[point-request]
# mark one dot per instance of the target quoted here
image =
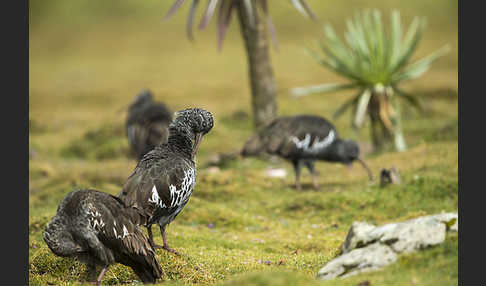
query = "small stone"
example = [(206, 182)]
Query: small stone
[(390, 176), (213, 170), (276, 173)]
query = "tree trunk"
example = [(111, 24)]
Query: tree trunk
[(262, 81), (382, 137), (374, 113)]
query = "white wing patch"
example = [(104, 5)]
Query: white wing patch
[(123, 235), (155, 199), (96, 223), (95, 220), (181, 195), (177, 196), (316, 146)]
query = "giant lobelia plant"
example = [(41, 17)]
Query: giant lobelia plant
[(375, 62), (251, 15)]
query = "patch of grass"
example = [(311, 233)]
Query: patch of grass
[(106, 142), (271, 278), (35, 127), (449, 132)]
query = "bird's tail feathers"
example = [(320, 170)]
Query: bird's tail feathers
[(252, 147), (144, 263)]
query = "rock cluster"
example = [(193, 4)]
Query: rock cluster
[(369, 247)]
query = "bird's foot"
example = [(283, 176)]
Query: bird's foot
[(166, 247), (156, 246)]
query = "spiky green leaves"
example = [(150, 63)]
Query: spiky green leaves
[(225, 10), (375, 60), (372, 55)]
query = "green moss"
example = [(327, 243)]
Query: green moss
[(275, 278), (106, 142)]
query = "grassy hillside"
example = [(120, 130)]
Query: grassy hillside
[(89, 59)]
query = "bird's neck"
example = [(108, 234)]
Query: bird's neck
[(181, 141), (329, 153)]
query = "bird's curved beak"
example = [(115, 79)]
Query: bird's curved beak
[(370, 174), (197, 141)]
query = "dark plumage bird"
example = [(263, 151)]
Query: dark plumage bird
[(302, 140), (100, 230), (147, 124), (163, 180)]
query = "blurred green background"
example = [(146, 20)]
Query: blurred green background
[(84, 52)]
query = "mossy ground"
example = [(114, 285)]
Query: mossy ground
[(87, 61)]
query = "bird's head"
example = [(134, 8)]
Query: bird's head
[(347, 151), (142, 98), (193, 123)]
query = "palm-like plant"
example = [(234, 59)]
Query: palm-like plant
[(374, 62), (252, 28)]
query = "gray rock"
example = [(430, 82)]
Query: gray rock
[(368, 247), (371, 257), (451, 220), (410, 235), (357, 236), (404, 236)]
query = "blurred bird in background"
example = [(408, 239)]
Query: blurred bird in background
[(147, 123), (302, 140)]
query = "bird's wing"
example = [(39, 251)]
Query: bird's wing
[(161, 188), (317, 127), (309, 137), (126, 240), (274, 134), (171, 191)]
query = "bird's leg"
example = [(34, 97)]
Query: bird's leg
[(102, 273), (164, 238), (91, 271), (151, 238), (297, 165), (310, 165)]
